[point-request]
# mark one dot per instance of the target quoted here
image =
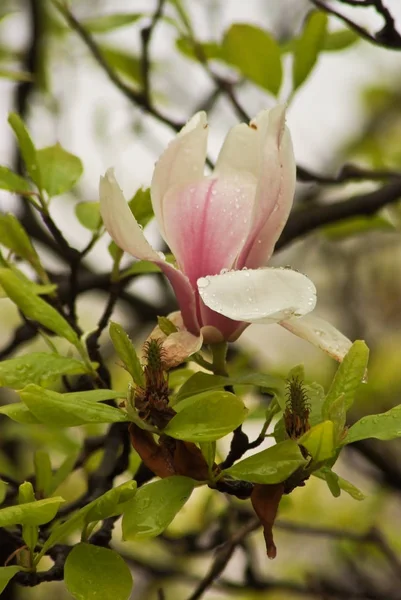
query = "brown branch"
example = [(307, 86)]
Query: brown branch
[(306, 220)]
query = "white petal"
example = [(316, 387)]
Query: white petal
[(258, 296), (320, 333), (239, 153), (120, 222), (183, 161)]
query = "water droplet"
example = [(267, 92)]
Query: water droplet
[(203, 282)]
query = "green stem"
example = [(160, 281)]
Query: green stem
[(219, 353)]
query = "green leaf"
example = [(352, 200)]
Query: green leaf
[(356, 226), (208, 450), (106, 23), (34, 307), (204, 50), (385, 426), (14, 237), (319, 441), (69, 410), (6, 574), (206, 417), (43, 473), (27, 148), (100, 507), (12, 182), (348, 377), (203, 382), (95, 573), (16, 75), (59, 169), (337, 413), (88, 214), (140, 267), (63, 472), (31, 513), (41, 368), (3, 490), (126, 352), (255, 53), (308, 46), (106, 505), (340, 40), (273, 465), (141, 206), (336, 484), (125, 63), (17, 411), (155, 506), (166, 325)]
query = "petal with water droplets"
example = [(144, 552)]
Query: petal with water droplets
[(320, 333), (259, 295)]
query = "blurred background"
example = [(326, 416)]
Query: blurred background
[(348, 110)]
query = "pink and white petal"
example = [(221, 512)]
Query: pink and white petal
[(320, 333), (120, 222), (125, 231), (208, 223), (258, 295), (179, 346), (182, 161), (240, 152), (275, 190)]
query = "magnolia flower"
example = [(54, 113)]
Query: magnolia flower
[(222, 229)]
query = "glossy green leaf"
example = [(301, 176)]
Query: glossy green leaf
[(206, 417), (17, 411), (208, 450), (337, 413), (155, 506), (308, 46), (12, 182), (6, 574), (106, 23), (126, 352), (273, 465), (385, 426), (69, 410), (27, 148), (319, 441), (107, 505), (96, 573), (88, 214), (59, 169), (348, 377), (203, 382), (255, 53), (14, 237), (41, 368), (340, 40), (336, 484), (34, 307), (26, 493), (31, 513), (43, 473), (101, 507), (141, 206)]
